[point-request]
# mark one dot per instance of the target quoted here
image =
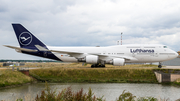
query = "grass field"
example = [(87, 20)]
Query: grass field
[(75, 72), (79, 65), (11, 78), (1, 64)]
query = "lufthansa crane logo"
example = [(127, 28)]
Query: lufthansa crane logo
[(25, 38)]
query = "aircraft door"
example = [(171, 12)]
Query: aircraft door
[(134, 54), (156, 54), (104, 52)]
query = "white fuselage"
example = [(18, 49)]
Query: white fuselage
[(131, 53)]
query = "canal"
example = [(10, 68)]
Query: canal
[(110, 91)]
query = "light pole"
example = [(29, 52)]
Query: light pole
[(121, 38)]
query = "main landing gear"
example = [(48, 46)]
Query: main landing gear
[(160, 65), (97, 66)]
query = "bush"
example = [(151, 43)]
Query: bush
[(67, 95), (147, 99), (126, 96)]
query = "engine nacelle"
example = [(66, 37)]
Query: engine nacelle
[(93, 59), (118, 62)]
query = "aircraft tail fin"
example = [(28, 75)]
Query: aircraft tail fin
[(25, 38)]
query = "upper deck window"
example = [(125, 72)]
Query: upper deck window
[(133, 47), (165, 46), (149, 47)]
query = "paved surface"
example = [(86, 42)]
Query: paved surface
[(3, 68), (165, 67), (20, 68), (171, 67)]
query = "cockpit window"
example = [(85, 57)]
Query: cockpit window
[(165, 46)]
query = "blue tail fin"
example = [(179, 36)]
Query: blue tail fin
[(30, 44), (25, 38)]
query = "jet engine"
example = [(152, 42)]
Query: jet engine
[(93, 59), (118, 62)]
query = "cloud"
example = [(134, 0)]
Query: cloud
[(92, 23)]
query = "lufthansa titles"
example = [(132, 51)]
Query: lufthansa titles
[(141, 50)]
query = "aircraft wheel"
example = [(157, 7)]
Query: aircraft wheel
[(159, 66), (96, 65), (102, 66)]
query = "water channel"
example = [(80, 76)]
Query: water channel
[(111, 91)]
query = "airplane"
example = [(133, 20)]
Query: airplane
[(116, 55)]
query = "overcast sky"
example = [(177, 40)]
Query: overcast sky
[(90, 23)]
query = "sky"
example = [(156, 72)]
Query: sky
[(90, 23)]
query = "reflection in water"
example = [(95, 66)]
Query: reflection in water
[(111, 91)]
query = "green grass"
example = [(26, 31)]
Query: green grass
[(1, 64), (132, 74), (11, 78), (76, 73)]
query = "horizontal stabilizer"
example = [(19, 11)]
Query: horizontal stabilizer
[(40, 48), (22, 49)]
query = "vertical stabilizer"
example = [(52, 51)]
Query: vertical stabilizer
[(25, 38)]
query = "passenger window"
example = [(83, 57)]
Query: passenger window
[(165, 46)]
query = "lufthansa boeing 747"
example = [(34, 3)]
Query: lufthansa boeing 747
[(116, 55)]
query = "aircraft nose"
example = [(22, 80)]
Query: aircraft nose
[(176, 54)]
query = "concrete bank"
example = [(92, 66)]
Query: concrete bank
[(167, 77)]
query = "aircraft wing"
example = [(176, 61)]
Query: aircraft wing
[(57, 51), (66, 52), (22, 49), (125, 57), (79, 54), (71, 53), (97, 54)]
